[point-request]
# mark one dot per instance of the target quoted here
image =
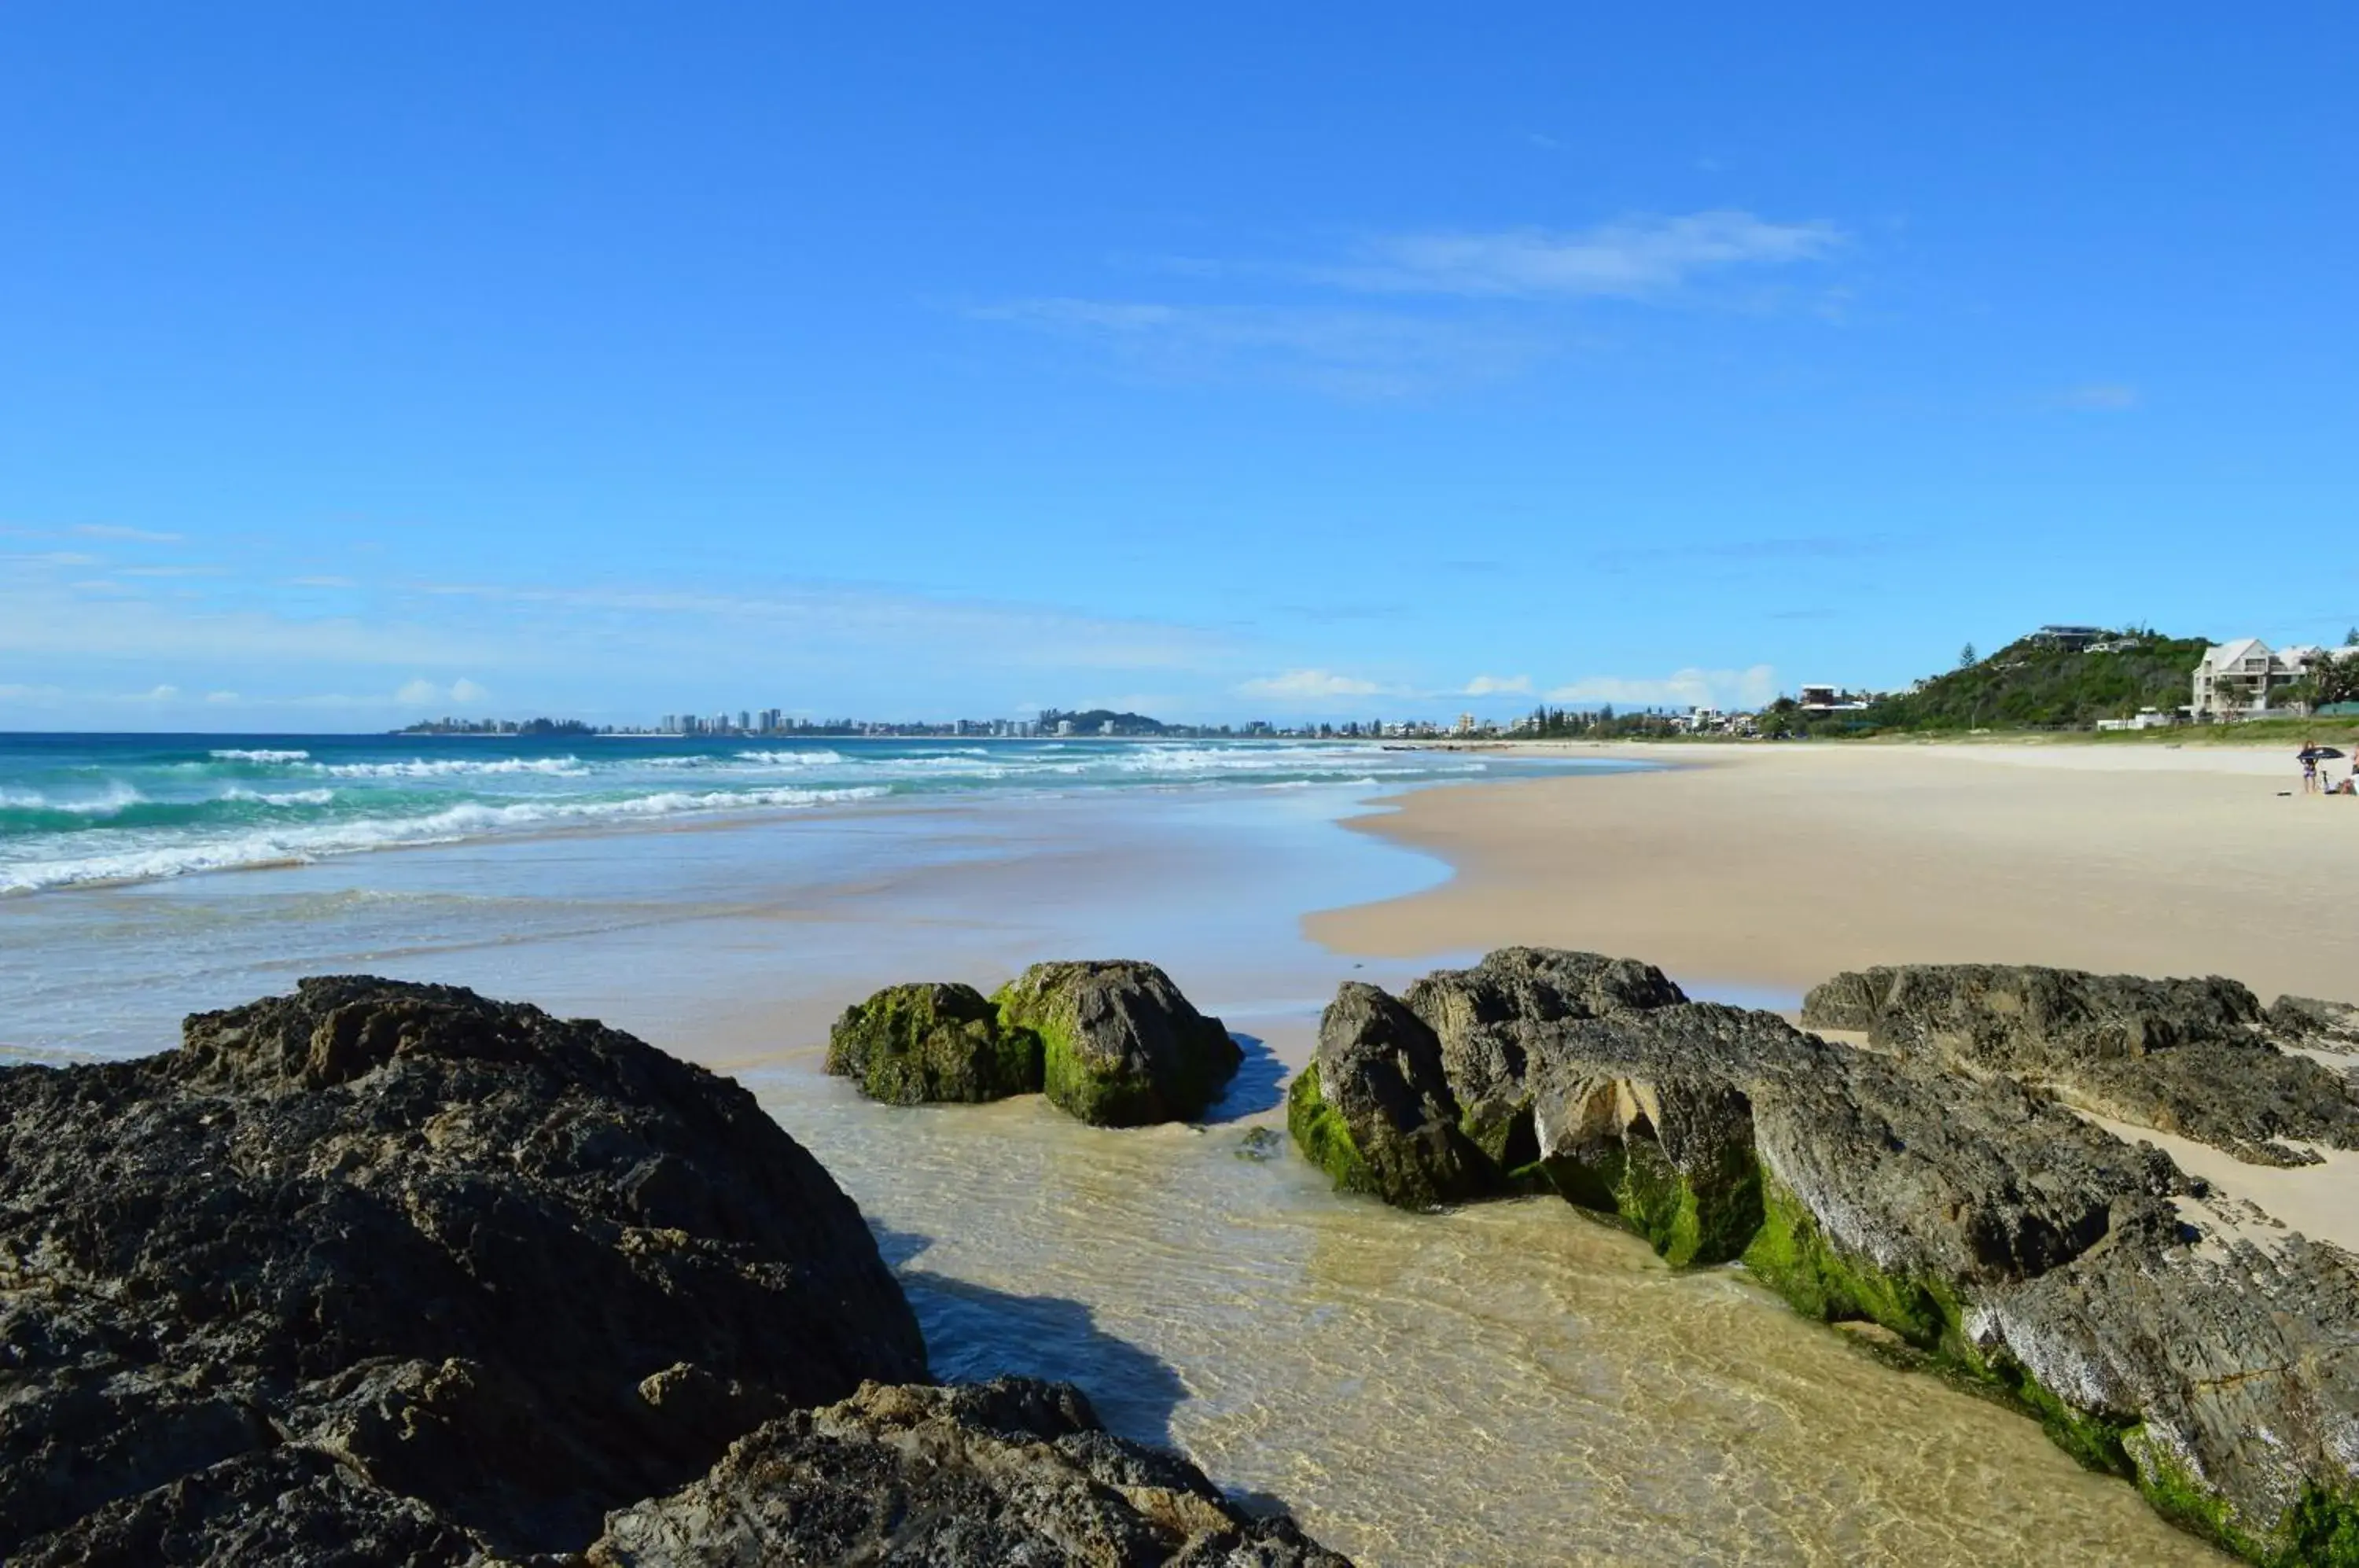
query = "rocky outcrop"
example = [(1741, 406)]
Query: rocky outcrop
[(1428, 1099), (1988, 1228), (911, 1045), (2197, 1058), (396, 1254), (1120, 1045), (1014, 1471), (386, 1273), (2316, 1025)]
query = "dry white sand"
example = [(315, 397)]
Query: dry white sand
[(1776, 865)]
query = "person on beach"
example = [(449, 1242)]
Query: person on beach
[(2308, 759)]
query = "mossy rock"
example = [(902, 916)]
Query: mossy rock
[(1325, 1140), (1793, 1257), (1691, 1218), (911, 1045), (1120, 1045)]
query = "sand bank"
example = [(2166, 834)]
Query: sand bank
[(1775, 865)]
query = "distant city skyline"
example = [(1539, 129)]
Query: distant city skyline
[(1221, 365)]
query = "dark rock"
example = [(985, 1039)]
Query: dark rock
[(1520, 984), (1120, 1046), (1374, 1109), (907, 1045), (2315, 1025), (384, 1272), (2188, 1057), (1014, 1471)]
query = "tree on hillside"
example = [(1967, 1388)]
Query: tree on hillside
[(1967, 657)]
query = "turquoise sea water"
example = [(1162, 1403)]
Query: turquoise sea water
[(82, 808)]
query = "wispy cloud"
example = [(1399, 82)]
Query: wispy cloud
[(135, 535), (1632, 258), (422, 693), (1496, 685), (2100, 397), (1313, 686), (1747, 688), (1349, 353)]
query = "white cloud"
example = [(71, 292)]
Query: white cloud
[(220, 697), (321, 582), (1369, 354), (158, 694), (2101, 397), (1630, 259), (417, 692), (136, 536), (1496, 685), (1311, 686), (465, 691), (56, 558), (1749, 688)]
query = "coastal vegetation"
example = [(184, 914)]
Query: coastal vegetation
[(2039, 683)]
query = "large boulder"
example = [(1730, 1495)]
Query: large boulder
[(1014, 1471), (1375, 1110), (910, 1045), (382, 1272), (1121, 1047), (2195, 1058), (1484, 1062)]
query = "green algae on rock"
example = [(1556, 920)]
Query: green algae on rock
[(911, 1045), (1120, 1045)]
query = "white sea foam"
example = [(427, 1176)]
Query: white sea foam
[(232, 754), (453, 768), (284, 845), (279, 797), (792, 758)]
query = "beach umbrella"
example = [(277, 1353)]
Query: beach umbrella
[(2323, 752)]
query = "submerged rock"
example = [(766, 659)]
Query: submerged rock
[(2190, 1057), (1121, 1047), (1012, 1470), (386, 1273), (910, 1045), (1970, 1216)]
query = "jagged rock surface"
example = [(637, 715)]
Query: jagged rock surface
[(1120, 1046), (1982, 1223), (911, 1045), (1427, 1099), (1014, 1471), (2191, 1057), (382, 1272)]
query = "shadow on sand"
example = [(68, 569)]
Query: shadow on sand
[(1255, 1088), (973, 1332)]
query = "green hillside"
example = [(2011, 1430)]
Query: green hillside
[(2031, 684)]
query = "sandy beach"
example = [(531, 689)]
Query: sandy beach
[(1776, 865), (1773, 867)]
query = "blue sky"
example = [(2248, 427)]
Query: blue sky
[(362, 363)]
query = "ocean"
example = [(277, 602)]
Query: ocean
[(80, 809)]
